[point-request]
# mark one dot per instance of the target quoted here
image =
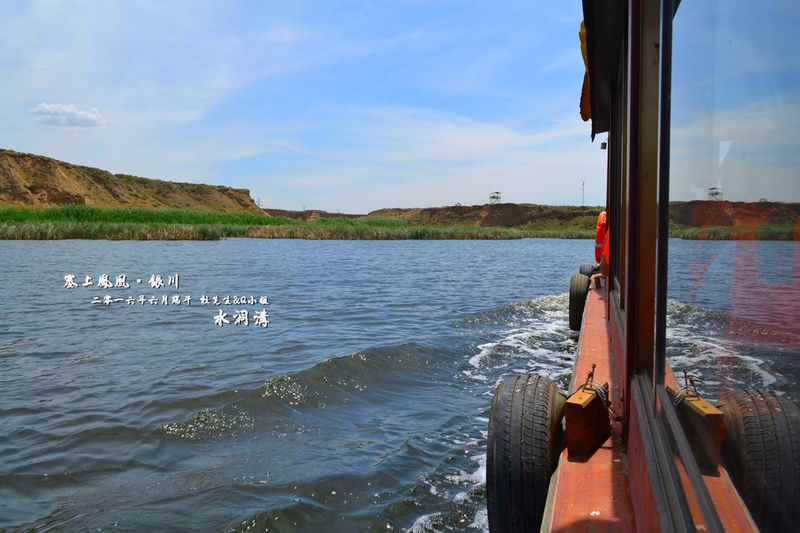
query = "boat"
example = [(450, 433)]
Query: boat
[(629, 446)]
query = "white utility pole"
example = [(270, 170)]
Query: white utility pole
[(583, 188)]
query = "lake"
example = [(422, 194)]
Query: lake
[(364, 403)]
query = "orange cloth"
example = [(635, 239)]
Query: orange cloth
[(586, 107), (601, 236)]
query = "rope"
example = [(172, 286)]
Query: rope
[(689, 389), (591, 385)]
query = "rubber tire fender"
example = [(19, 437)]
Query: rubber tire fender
[(587, 270), (578, 289), (522, 451), (762, 454)]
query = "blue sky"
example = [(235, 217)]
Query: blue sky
[(354, 106), (348, 106)]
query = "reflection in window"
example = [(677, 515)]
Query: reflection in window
[(735, 162), (734, 280)]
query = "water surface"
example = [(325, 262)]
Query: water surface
[(364, 404)]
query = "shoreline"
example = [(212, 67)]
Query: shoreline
[(83, 222), (139, 231), (210, 232)]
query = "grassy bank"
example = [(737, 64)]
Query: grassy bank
[(559, 233), (316, 230), (118, 231), (734, 233), (358, 232), (82, 222), (86, 214)]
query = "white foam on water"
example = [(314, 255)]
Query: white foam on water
[(536, 340), (692, 344), (424, 523), (485, 351), (461, 496), (477, 478), (754, 364), (481, 520), (480, 474)]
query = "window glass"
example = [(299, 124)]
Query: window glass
[(735, 174), (734, 257)]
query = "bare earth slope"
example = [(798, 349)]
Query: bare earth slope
[(705, 213), (32, 180)]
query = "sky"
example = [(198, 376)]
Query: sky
[(343, 106), (361, 105), (736, 100)]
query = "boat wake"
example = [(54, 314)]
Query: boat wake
[(416, 416)]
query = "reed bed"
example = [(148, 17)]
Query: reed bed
[(738, 233), (83, 222), (349, 232), (559, 233), (138, 231), (82, 213), (117, 231)]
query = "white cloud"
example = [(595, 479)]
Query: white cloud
[(68, 115), (179, 84), (412, 157)]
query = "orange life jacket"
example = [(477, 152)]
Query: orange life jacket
[(600, 236)]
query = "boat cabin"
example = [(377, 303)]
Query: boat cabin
[(632, 445)]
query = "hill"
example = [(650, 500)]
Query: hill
[(33, 180), (519, 216), (706, 213), (691, 214)]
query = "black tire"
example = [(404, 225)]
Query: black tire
[(587, 270), (578, 289), (762, 454), (522, 452)]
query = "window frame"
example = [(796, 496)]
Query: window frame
[(638, 193)]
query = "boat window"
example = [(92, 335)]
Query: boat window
[(617, 157), (734, 279), (734, 216)]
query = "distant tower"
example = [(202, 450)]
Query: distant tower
[(714, 193), (494, 198)]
